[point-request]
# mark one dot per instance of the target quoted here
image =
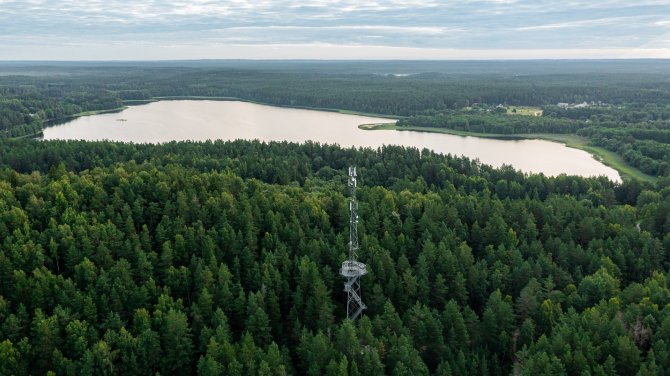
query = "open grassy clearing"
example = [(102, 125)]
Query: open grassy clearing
[(524, 111)]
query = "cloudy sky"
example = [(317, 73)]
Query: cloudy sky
[(332, 29)]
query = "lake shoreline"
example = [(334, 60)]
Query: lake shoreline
[(235, 99), (138, 102), (312, 130), (602, 155)]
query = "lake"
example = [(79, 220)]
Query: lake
[(201, 120)]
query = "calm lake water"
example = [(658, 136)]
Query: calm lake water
[(229, 120)]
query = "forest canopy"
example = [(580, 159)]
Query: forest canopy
[(222, 258)]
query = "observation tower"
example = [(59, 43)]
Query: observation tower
[(353, 270)]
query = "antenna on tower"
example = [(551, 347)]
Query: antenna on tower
[(352, 270)]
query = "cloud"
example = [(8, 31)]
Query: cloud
[(426, 24), (422, 30), (579, 23)]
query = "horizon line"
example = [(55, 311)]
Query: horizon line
[(333, 60)]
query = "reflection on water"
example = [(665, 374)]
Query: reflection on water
[(229, 120)]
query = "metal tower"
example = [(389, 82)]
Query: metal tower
[(352, 270)]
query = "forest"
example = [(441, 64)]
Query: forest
[(52, 92), (222, 258)]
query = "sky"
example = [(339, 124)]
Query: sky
[(333, 29)]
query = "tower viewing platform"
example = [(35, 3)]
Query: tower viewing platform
[(353, 269)]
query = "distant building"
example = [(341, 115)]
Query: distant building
[(572, 105)]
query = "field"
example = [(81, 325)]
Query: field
[(524, 110)]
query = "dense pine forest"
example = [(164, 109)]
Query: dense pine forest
[(222, 258)]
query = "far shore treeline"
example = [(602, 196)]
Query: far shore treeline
[(619, 106)]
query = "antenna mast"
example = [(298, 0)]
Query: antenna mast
[(352, 270)]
